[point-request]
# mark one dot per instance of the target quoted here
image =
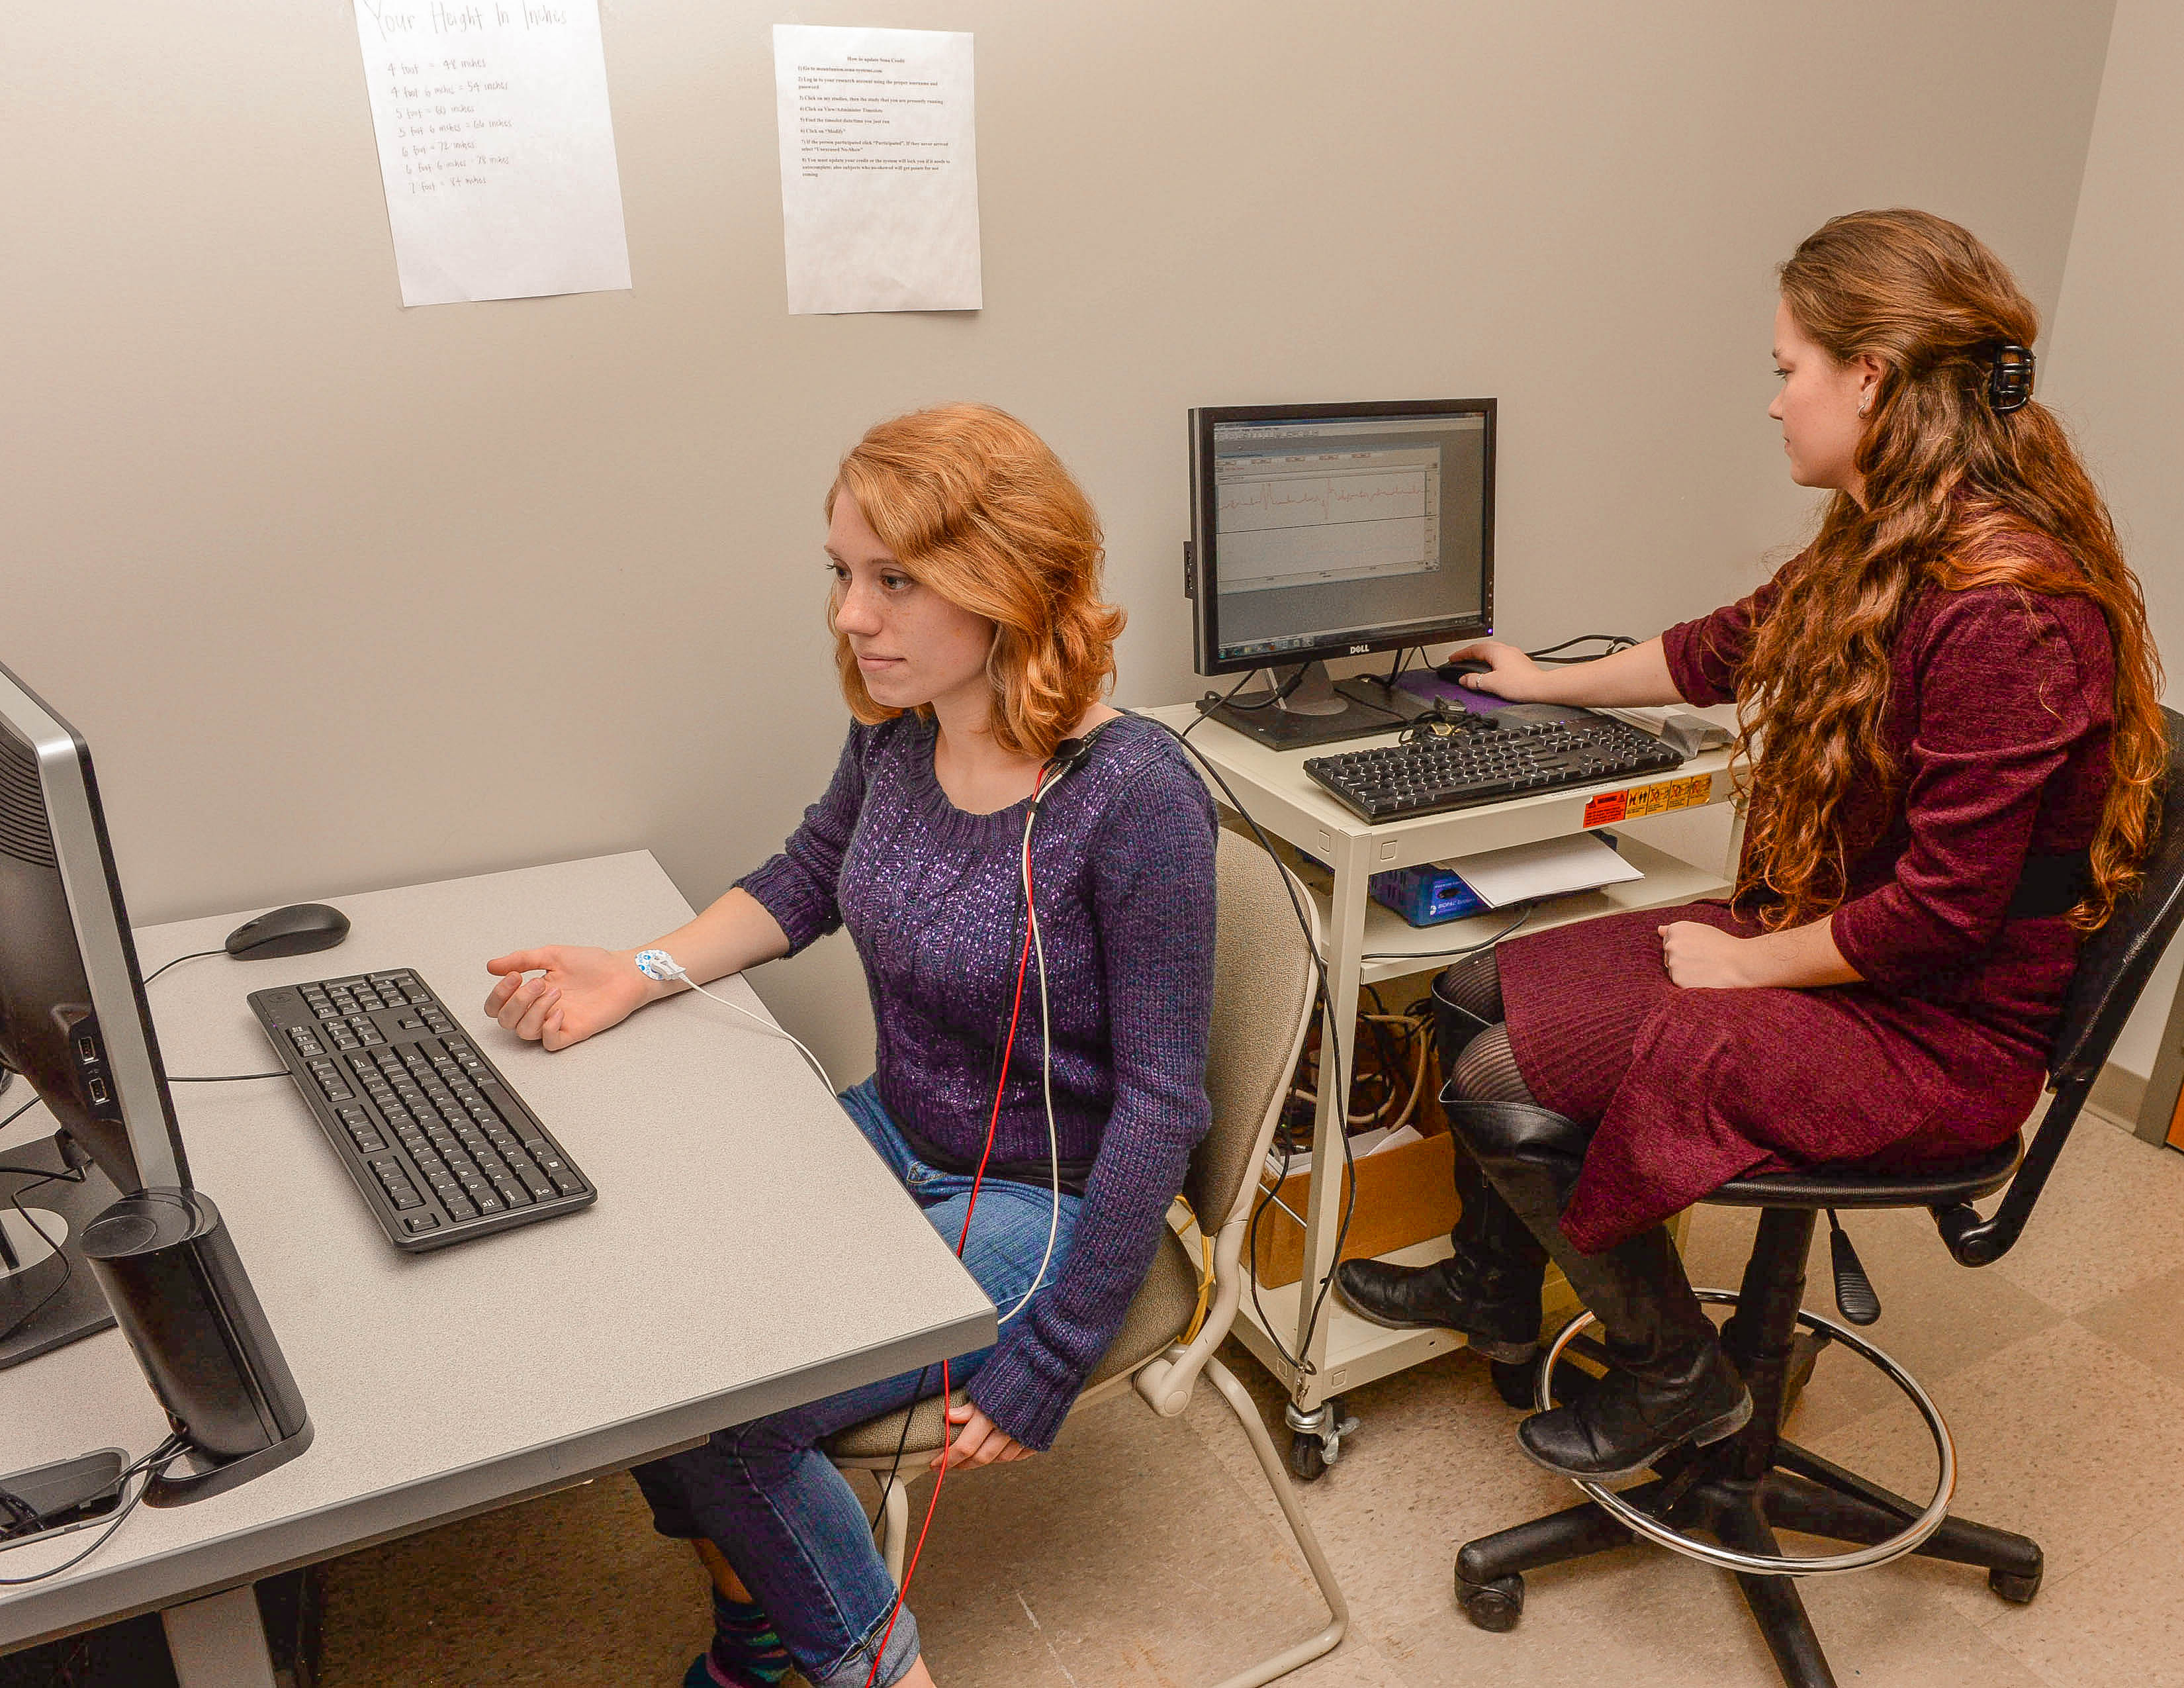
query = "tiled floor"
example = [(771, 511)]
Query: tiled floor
[(1142, 1552)]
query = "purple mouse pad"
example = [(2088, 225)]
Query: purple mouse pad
[(1428, 688)]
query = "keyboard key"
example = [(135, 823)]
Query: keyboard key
[(421, 1222)]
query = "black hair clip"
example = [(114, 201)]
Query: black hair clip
[(2008, 376)]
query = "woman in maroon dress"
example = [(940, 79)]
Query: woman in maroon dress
[(1957, 701)]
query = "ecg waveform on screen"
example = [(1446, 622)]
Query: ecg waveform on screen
[(1321, 501), (1296, 528)]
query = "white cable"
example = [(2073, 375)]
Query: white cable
[(1045, 1078), (659, 965)]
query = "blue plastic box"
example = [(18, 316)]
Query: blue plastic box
[(1426, 895), (1430, 895)]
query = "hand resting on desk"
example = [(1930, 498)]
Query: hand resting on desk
[(572, 992), (580, 990)]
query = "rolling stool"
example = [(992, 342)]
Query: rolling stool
[(1741, 1490)]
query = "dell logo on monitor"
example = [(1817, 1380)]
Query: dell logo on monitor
[(1361, 649)]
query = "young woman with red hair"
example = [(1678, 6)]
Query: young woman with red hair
[(1949, 715), (972, 641)]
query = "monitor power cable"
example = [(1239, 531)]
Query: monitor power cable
[(39, 1177), (1212, 701)]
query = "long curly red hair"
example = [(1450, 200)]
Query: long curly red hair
[(1947, 479)]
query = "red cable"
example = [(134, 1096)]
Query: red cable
[(992, 1123)]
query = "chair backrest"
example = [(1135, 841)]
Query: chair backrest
[(1263, 994), (2113, 969)]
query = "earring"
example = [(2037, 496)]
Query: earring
[(1865, 404)]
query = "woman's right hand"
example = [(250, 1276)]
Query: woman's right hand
[(1515, 675), (576, 992)]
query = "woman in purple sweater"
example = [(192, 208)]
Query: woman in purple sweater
[(971, 641), (1954, 704)]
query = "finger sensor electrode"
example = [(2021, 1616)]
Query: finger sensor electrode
[(662, 967)]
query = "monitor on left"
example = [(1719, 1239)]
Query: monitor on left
[(74, 1022)]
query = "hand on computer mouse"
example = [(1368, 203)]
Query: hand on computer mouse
[(1499, 670), (562, 994)]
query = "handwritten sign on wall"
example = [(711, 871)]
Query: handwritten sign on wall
[(496, 146), (879, 169)]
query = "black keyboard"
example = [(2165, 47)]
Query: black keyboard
[(439, 1147), (1486, 758)]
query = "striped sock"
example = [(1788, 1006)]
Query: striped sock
[(746, 1651)]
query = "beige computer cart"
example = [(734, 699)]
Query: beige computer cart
[(1344, 1351)]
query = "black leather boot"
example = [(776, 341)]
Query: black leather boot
[(1489, 1288), (1669, 1384)]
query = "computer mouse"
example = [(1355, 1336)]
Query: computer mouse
[(1456, 666), (295, 930)]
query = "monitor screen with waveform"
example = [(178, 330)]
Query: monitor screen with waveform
[(1340, 529)]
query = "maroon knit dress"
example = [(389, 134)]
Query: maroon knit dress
[(1999, 715)]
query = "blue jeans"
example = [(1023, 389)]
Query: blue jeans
[(780, 1514)]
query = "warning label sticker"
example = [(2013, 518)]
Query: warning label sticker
[(1688, 793)]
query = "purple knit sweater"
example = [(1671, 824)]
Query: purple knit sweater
[(1122, 867)]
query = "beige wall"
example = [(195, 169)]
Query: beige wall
[(2119, 348), (347, 595)]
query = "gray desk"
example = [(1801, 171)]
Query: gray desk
[(747, 1252)]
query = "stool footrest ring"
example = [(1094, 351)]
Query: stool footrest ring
[(1772, 1565)]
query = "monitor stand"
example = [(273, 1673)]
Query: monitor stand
[(76, 1309), (1303, 708)]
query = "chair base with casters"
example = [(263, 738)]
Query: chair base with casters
[(1262, 1002), (1741, 1489)]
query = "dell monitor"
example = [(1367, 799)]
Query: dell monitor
[(1335, 530), (74, 1022)]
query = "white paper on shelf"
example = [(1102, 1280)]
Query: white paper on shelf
[(496, 146), (1547, 868), (879, 169)]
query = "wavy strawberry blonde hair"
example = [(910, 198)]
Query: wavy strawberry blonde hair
[(976, 506)]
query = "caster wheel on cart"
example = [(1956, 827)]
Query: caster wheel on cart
[(1307, 1458), (1494, 1606), (1514, 1382), (2015, 1589)]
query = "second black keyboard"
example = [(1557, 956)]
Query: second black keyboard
[(1511, 752), (436, 1142)]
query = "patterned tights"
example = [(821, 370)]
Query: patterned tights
[(1487, 1071)]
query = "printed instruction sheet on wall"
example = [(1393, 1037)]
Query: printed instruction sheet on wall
[(879, 169), (496, 146)]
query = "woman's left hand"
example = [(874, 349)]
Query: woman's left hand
[(1702, 957), (981, 1441)]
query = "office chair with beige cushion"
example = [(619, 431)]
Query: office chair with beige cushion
[(1263, 999)]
